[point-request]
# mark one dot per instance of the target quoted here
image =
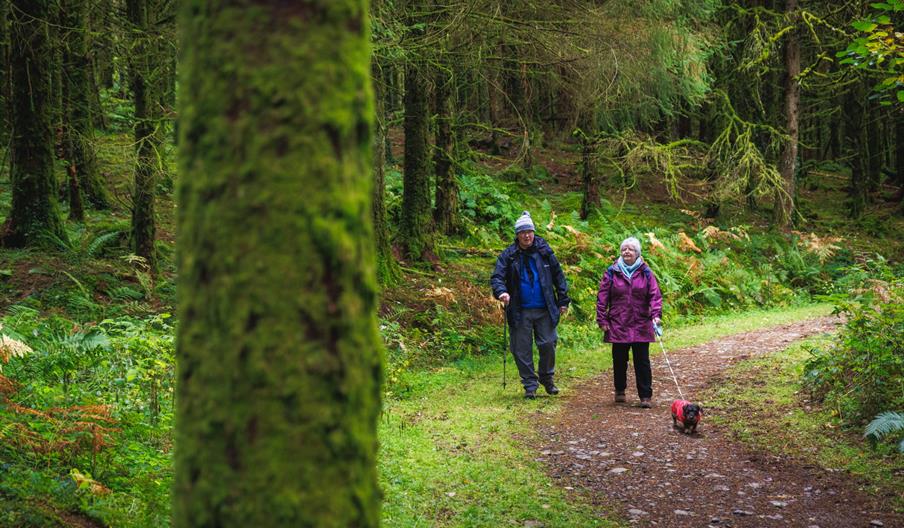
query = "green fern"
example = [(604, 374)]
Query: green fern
[(886, 423), (102, 242)]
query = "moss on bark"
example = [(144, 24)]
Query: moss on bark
[(388, 271), (77, 93), (147, 141), (35, 215), (445, 212), (415, 232), (279, 362)]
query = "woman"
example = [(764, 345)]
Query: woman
[(628, 304)]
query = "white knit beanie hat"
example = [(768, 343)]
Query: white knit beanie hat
[(524, 223)]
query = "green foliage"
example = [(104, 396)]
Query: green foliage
[(879, 49), (488, 209), (862, 375), (100, 400)]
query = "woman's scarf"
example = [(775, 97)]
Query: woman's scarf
[(629, 270)]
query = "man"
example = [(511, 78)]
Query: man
[(529, 281)]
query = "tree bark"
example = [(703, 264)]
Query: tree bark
[(35, 214), (855, 140), (899, 150), (147, 141), (278, 355), (589, 180), (416, 230), (387, 267), (79, 124), (874, 147), (445, 212), (4, 73), (783, 213)]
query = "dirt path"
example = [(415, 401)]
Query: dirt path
[(632, 461)]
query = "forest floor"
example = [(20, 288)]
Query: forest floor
[(632, 461)]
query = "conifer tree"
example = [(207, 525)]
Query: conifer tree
[(416, 231), (147, 140), (279, 363), (35, 215), (784, 197), (77, 92)]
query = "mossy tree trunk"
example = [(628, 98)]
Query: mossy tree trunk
[(874, 145), (35, 214), (415, 233), (855, 141), (899, 152), (4, 73), (783, 211), (58, 106), (445, 211), (78, 129), (387, 267), (162, 58), (147, 140), (278, 355), (589, 180)]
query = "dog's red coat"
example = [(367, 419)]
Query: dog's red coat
[(678, 410)]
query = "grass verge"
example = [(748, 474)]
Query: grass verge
[(457, 450), (763, 404)]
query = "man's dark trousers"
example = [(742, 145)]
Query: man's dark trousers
[(535, 322)]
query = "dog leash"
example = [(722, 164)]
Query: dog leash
[(658, 330)]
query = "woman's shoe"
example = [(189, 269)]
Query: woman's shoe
[(619, 397), (645, 403)]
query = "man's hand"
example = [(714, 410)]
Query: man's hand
[(605, 327), (657, 321), (563, 309), (505, 298)]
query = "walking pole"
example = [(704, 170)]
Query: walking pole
[(504, 342), (657, 329)]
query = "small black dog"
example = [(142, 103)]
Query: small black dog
[(688, 414)]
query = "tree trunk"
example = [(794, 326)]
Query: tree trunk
[(79, 125), (278, 355), (57, 108), (899, 150), (874, 147), (35, 213), (590, 182), (783, 212), (162, 59), (855, 139), (415, 232), (387, 268), (76, 207), (147, 146), (445, 212), (4, 73)]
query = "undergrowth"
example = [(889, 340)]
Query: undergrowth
[(765, 403), (861, 374)]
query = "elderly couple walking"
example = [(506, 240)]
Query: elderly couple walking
[(529, 281)]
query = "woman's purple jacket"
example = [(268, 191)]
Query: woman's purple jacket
[(628, 306)]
